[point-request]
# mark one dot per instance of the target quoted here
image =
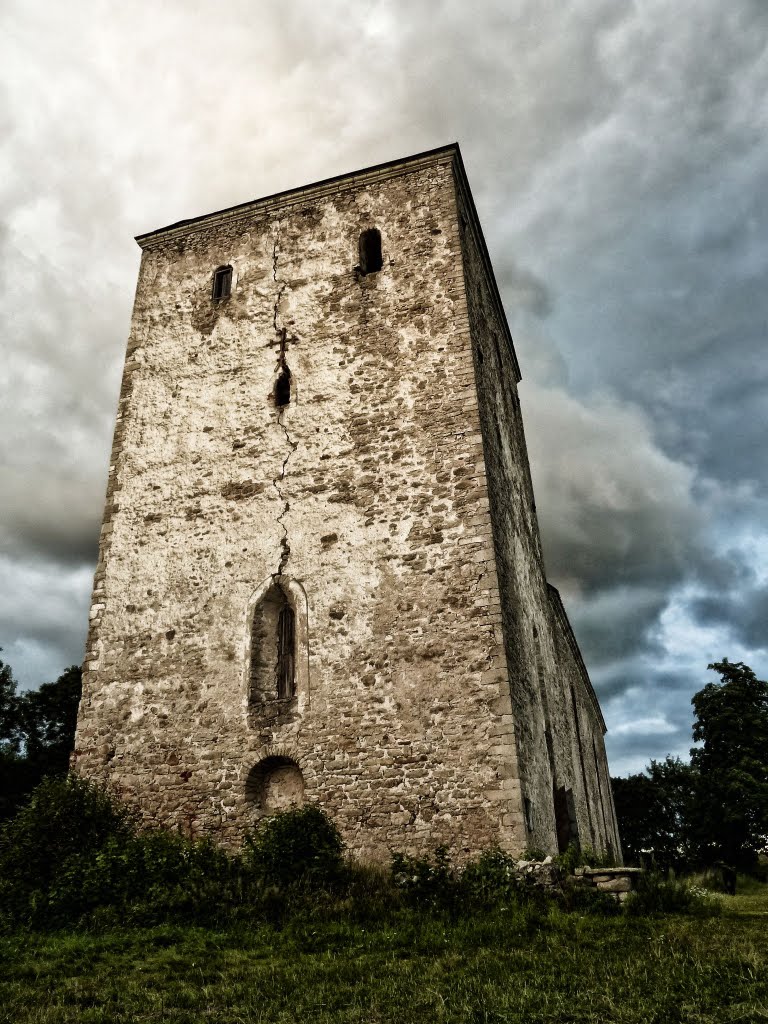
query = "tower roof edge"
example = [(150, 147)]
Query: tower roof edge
[(449, 154), (389, 168)]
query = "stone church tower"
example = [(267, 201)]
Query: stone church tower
[(320, 574)]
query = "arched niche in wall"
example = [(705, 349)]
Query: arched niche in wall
[(274, 784), (276, 652)]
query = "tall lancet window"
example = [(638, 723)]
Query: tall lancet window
[(273, 670), (277, 673)]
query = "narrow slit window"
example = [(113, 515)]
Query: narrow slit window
[(286, 652), (528, 806), (283, 388), (222, 283), (370, 251)]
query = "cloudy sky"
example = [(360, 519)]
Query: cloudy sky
[(618, 154)]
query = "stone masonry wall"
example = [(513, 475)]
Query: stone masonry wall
[(598, 827), (543, 679), (367, 496)]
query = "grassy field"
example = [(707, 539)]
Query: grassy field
[(513, 967)]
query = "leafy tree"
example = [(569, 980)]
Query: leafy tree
[(49, 719), (37, 734), (15, 780), (732, 764), (716, 808), (10, 726), (637, 809), (46, 847), (654, 811)]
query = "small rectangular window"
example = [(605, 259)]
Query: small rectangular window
[(370, 251), (222, 283)]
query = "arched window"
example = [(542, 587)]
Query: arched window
[(370, 251), (276, 663), (273, 653), (222, 283)]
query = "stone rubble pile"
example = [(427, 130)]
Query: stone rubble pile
[(544, 873), (615, 882)]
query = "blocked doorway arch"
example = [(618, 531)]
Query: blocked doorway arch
[(275, 783)]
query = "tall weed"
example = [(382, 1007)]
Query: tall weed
[(654, 895), (73, 857)]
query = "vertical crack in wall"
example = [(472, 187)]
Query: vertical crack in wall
[(282, 370), (281, 287), (285, 547), (276, 251)]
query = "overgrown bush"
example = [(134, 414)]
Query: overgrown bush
[(533, 853), (576, 856), (586, 899), (298, 847), (492, 881), (74, 856), (573, 857), (427, 883), (159, 876), (47, 846), (369, 893), (654, 895)]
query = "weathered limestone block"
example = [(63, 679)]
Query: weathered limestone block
[(614, 885), (619, 882)]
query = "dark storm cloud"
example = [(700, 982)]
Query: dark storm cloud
[(746, 611), (618, 154), (648, 714), (625, 530), (523, 290), (652, 716), (672, 235), (613, 508), (654, 248), (44, 614), (618, 620), (60, 523)]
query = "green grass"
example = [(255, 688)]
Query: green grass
[(517, 967)]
